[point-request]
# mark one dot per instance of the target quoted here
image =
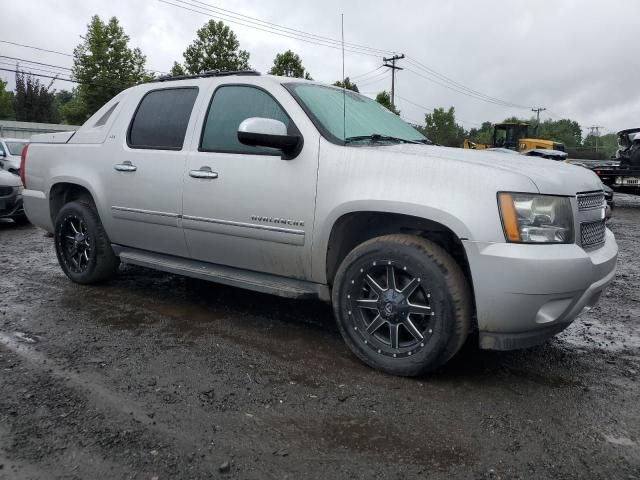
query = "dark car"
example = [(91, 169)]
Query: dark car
[(608, 195), (11, 197)]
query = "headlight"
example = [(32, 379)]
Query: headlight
[(531, 218)]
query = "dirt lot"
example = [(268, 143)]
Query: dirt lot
[(157, 376)]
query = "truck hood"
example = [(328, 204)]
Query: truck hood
[(551, 177)]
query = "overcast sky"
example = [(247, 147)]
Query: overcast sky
[(578, 58)]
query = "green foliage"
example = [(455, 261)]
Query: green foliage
[(607, 144), (384, 99), (70, 107), (484, 134), (216, 47), (104, 65), (6, 103), (33, 102), (177, 69), (441, 128), (565, 130), (289, 64), (347, 84)]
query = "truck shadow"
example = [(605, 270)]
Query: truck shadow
[(303, 331)]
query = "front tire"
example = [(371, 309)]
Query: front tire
[(402, 304), (82, 246)]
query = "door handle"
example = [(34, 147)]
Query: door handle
[(204, 172), (125, 166)]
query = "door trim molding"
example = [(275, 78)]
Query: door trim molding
[(257, 226)]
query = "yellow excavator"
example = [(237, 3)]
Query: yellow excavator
[(515, 136)]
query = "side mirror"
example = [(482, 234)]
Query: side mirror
[(267, 132)]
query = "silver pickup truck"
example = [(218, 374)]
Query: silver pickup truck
[(299, 189)]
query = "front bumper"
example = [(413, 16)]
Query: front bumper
[(527, 293), (11, 205)]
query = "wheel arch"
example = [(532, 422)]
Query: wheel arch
[(353, 227), (62, 192)]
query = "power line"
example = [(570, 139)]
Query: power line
[(460, 86), (36, 48), (38, 75), (266, 29), (374, 79), (33, 47), (9, 64), (426, 109), (275, 26), (210, 10), (366, 74), (463, 92), (37, 63)]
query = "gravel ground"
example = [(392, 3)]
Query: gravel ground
[(154, 376)]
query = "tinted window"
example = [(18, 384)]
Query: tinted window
[(229, 107), (162, 118)]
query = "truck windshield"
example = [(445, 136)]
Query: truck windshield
[(366, 120)]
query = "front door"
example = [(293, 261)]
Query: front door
[(245, 206), (144, 187)]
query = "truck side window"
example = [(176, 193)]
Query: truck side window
[(161, 120), (231, 105)]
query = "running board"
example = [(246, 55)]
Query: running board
[(235, 277)]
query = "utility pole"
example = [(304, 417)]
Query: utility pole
[(393, 68), (537, 110), (595, 132)]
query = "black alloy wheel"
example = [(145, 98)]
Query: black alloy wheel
[(75, 244), (391, 308)]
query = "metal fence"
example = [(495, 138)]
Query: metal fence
[(11, 129)]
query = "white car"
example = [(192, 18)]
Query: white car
[(10, 150)]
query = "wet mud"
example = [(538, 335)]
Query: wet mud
[(158, 376)]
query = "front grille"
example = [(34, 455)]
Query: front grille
[(592, 233), (6, 191), (588, 201)]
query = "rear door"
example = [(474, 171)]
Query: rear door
[(143, 177), (253, 210)]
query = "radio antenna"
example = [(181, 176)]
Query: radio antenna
[(344, 85)]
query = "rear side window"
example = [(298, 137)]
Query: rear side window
[(229, 107), (161, 120)]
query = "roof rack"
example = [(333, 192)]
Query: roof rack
[(208, 73)]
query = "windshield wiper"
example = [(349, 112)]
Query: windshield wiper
[(376, 137)]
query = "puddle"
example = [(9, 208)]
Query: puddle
[(371, 436)]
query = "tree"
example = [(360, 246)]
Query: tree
[(177, 69), (289, 64), (216, 47), (6, 102), (384, 99), (104, 65), (441, 128), (33, 102), (347, 84), (565, 130), (484, 134)]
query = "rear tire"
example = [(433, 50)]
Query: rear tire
[(82, 246), (409, 321)]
